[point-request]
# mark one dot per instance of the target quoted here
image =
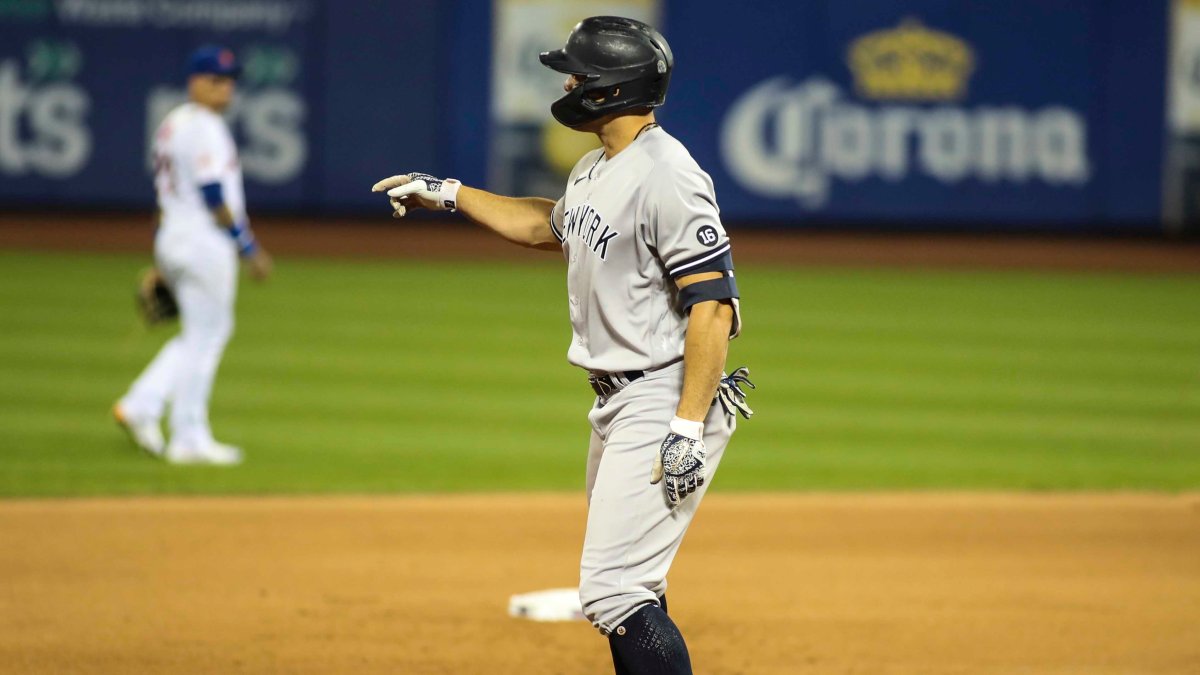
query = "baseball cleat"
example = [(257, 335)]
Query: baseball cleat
[(144, 433), (213, 454)]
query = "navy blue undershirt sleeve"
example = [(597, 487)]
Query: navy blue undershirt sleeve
[(213, 196)]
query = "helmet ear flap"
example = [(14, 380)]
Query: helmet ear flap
[(572, 110)]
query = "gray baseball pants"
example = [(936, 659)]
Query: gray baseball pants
[(632, 533)]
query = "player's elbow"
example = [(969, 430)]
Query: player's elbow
[(537, 234), (715, 313)]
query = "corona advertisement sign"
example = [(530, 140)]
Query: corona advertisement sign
[(917, 111), (904, 116)]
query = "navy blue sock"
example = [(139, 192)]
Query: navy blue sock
[(619, 668), (649, 643)]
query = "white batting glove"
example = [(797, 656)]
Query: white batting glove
[(680, 461), (419, 190), (731, 395)]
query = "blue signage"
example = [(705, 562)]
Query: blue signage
[(1021, 114), (1025, 112), (330, 99)]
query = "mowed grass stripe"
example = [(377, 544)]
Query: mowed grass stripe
[(1147, 364), (328, 388), (350, 376), (899, 400)]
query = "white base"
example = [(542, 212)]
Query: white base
[(555, 604)]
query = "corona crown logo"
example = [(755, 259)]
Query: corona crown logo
[(911, 62)]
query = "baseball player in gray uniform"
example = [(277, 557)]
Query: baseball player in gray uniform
[(653, 305)]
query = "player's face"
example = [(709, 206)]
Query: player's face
[(594, 126), (574, 81), (212, 91)]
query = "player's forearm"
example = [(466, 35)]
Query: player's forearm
[(240, 230), (521, 220), (224, 216), (705, 348)]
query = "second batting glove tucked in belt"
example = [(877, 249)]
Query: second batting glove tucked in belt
[(730, 394)]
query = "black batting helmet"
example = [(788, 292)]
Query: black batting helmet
[(624, 64)]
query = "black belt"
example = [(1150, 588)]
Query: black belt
[(606, 385)]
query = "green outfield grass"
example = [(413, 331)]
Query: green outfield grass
[(401, 376)]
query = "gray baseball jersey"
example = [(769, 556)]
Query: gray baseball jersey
[(630, 227)]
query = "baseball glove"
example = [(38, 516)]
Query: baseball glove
[(155, 302)]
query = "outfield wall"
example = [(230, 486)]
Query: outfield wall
[(1029, 114)]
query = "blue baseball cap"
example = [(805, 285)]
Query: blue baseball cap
[(214, 60)]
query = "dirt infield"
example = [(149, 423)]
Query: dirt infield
[(449, 239), (928, 584)]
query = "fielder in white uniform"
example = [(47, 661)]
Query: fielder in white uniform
[(202, 230), (653, 305)]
